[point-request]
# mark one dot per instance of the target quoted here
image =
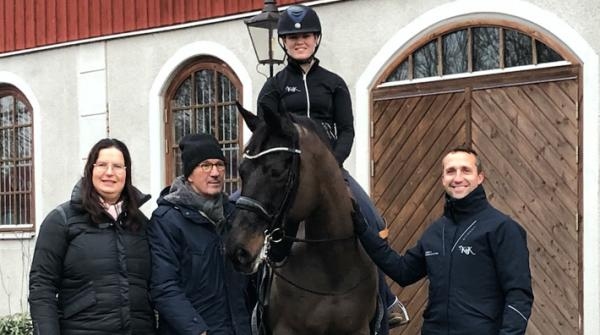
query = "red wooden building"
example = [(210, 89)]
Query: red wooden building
[(28, 24)]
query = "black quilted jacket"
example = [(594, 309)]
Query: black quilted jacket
[(89, 279)]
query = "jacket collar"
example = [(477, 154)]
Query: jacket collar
[(459, 209), (295, 66)]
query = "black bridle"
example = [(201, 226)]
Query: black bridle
[(279, 230), (276, 231)]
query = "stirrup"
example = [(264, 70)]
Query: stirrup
[(398, 315)]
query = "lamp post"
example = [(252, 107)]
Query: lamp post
[(263, 33)]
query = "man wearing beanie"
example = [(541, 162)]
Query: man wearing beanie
[(193, 285)]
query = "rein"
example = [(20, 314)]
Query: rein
[(325, 293)]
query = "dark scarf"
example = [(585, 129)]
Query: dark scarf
[(182, 194)]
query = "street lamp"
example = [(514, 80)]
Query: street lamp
[(263, 33)]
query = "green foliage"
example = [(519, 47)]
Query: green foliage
[(17, 324)]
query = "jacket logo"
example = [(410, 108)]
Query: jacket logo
[(467, 250), (292, 89), (431, 253)]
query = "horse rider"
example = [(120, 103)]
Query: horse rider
[(304, 87)]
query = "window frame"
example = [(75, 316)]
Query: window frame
[(442, 30), (18, 96), (185, 72)]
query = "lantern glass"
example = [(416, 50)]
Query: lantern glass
[(266, 47)]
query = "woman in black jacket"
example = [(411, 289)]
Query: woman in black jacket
[(304, 87), (91, 265)]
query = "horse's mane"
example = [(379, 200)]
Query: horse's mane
[(314, 127), (261, 133)]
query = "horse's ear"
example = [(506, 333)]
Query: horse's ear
[(250, 119), (278, 122)]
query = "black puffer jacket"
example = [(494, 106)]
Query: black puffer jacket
[(90, 279)]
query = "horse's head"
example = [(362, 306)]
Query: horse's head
[(270, 174)]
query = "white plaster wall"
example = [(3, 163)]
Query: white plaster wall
[(91, 97), (47, 82), (360, 37)]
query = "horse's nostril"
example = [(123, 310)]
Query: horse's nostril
[(242, 256)]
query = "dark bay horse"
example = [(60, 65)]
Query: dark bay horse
[(294, 214)]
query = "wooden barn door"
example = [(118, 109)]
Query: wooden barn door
[(525, 127)]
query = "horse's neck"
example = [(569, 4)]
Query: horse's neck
[(331, 218)]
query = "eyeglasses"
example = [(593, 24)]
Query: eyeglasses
[(104, 166), (207, 167)]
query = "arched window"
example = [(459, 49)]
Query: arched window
[(473, 49), (202, 98), (16, 161)]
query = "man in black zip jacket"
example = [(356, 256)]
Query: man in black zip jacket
[(475, 257)]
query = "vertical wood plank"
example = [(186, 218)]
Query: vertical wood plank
[(50, 21), (153, 13), (191, 10), (218, 8), (40, 23), (106, 17), (94, 17), (30, 23), (166, 12), (61, 21), (9, 24), (19, 26), (141, 15), (72, 21), (230, 6), (204, 8), (178, 11), (83, 18), (129, 15), (3, 26), (118, 16)]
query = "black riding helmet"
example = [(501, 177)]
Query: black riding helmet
[(299, 19)]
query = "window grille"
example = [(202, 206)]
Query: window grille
[(202, 99), (473, 49), (16, 161)]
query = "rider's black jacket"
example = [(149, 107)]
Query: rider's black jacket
[(319, 94)]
